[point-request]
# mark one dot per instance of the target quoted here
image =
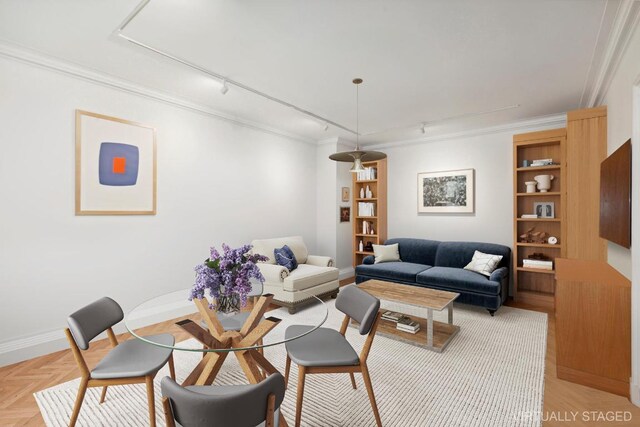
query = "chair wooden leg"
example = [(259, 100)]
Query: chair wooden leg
[(168, 413), (104, 394), (286, 372), (151, 400), (79, 398), (172, 368), (353, 380), (300, 391), (372, 398)]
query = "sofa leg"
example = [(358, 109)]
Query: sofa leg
[(292, 310), (334, 296), (491, 312)]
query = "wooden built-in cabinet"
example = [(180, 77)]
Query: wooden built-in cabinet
[(578, 151), (378, 220), (536, 286)]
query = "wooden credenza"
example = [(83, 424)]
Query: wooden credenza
[(593, 325)]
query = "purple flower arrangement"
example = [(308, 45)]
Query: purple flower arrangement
[(227, 276)]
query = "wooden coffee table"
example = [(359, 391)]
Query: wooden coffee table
[(408, 299)]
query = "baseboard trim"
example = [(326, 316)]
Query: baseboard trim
[(609, 385), (634, 392), (346, 273), (26, 348)]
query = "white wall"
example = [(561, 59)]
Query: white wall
[(344, 244), (624, 123), (619, 102), (217, 182), (491, 157)]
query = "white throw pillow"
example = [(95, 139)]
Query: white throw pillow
[(386, 253), (483, 263)]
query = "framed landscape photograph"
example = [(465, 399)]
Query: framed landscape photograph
[(115, 166), (446, 191)]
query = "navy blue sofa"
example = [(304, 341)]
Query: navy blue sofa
[(440, 265)]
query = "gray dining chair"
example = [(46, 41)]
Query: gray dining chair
[(130, 362), (326, 350), (224, 406)]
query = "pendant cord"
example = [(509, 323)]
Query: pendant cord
[(357, 118)]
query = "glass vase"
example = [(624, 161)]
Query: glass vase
[(228, 304)]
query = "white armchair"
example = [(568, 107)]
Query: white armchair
[(315, 275)]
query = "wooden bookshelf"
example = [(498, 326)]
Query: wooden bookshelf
[(536, 286), (378, 221)]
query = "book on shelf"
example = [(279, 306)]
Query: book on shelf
[(366, 209), (367, 174), (529, 216), (537, 264), (392, 316)]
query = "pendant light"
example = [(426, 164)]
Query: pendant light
[(357, 156)]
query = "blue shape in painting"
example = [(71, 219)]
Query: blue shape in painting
[(118, 172)]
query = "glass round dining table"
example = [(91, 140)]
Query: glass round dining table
[(245, 334)]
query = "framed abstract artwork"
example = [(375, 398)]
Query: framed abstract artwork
[(115, 166), (345, 214), (446, 192)]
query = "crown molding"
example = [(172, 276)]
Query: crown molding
[(31, 57), (625, 23), (537, 123)]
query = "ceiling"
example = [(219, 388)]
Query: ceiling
[(421, 61)]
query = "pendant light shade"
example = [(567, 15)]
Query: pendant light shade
[(357, 156)]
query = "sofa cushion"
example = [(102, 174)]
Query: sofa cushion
[(386, 253), (284, 256), (418, 251), (266, 246), (307, 276), (459, 254), (458, 279), (395, 270)]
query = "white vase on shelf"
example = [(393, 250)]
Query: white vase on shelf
[(361, 246), (362, 193), (368, 193), (544, 182), (531, 186)]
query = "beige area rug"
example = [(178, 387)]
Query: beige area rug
[(492, 374)]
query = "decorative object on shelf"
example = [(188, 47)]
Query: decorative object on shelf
[(357, 156), (446, 191), (368, 193), (115, 166), (362, 193), (544, 182), (368, 247), (345, 194), (372, 231), (539, 256), (544, 209), (531, 186), (531, 236), (345, 214), (361, 246), (552, 240), (226, 278), (525, 163), (529, 216)]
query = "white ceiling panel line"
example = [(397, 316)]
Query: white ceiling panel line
[(119, 32), (14, 52)]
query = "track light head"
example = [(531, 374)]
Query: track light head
[(224, 89), (424, 128), (326, 127)]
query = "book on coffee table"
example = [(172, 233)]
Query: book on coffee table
[(392, 316), (407, 325)]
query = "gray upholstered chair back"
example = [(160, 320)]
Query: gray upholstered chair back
[(93, 319), (358, 305), (244, 407)]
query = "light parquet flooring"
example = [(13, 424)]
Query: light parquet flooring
[(18, 382)]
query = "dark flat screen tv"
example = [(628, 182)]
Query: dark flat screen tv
[(615, 196)]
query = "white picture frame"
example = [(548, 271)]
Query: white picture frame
[(544, 209), (447, 192)]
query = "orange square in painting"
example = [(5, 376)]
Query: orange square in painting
[(119, 164)]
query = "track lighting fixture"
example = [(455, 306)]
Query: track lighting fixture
[(326, 127), (224, 89), (424, 128)]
